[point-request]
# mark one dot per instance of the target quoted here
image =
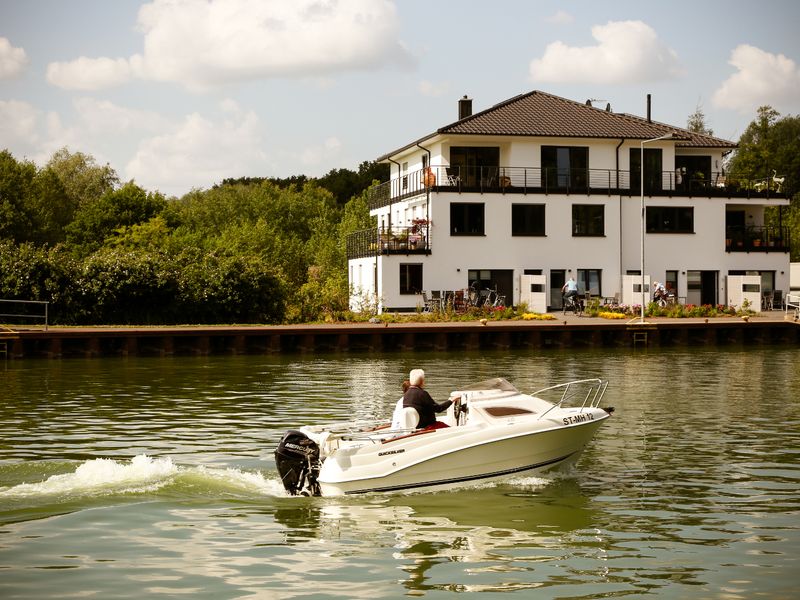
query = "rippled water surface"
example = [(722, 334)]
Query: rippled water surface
[(133, 478)]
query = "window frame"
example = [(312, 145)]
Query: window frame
[(587, 219), (466, 220), (657, 216), (408, 279), (520, 223)]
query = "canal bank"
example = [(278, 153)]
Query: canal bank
[(567, 331)]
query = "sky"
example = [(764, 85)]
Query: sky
[(180, 94)]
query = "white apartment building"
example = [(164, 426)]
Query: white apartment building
[(542, 185)]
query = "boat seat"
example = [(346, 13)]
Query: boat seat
[(409, 418)]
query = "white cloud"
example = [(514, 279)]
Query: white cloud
[(626, 52), (200, 152), (89, 74), (12, 60), (205, 43), (101, 117), (428, 88), (19, 122), (561, 17), (761, 78), (318, 155)]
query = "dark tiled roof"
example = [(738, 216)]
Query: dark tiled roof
[(538, 114)]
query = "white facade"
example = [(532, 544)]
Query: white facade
[(426, 185)]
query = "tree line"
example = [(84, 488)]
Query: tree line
[(247, 250), (244, 251)]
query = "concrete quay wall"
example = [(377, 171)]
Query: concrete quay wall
[(575, 332)]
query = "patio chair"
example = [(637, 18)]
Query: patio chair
[(777, 300)]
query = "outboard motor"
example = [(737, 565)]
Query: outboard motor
[(297, 459)]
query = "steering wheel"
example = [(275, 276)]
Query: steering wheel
[(459, 409)]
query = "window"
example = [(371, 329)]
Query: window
[(653, 177), (527, 219), (670, 219), (476, 166), (565, 166), (466, 219), (588, 220), (590, 280), (410, 278), (671, 282)]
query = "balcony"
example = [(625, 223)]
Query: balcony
[(537, 180), (757, 239), (397, 240)]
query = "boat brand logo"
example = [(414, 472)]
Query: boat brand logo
[(391, 452), (297, 448)]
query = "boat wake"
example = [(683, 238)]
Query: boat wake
[(144, 475)]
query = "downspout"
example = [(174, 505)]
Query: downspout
[(399, 175), (427, 198), (619, 197)]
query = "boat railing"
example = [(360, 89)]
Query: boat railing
[(590, 390)]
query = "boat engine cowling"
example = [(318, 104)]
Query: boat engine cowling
[(297, 460)]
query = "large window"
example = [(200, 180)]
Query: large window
[(588, 220), (653, 177), (410, 278), (590, 280), (466, 218), (527, 219), (475, 166), (565, 166), (670, 219)]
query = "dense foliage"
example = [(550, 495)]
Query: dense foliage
[(242, 252)]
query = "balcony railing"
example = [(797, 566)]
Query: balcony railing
[(539, 180), (397, 240), (757, 239)]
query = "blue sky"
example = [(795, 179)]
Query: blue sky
[(179, 94)]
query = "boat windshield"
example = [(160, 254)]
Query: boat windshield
[(498, 383)]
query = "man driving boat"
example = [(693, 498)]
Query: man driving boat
[(418, 398)]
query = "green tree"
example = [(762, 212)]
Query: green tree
[(697, 121), (16, 179), (83, 179), (103, 218), (769, 150)]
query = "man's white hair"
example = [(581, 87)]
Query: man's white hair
[(416, 377)]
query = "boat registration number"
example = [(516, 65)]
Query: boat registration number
[(579, 418)]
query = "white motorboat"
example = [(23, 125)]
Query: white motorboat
[(495, 431)]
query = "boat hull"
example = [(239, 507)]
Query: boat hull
[(434, 461)]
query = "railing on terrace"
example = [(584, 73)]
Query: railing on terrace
[(533, 180), (757, 239), (397, 240)]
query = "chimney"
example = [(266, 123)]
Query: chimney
[(464, 108), (649, 120)]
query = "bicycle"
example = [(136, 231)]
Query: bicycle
[(573, 303)]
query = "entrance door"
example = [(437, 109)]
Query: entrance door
[(708, 291), (558, 278), (701, 287)]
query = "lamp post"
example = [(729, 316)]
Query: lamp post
[(666, 136)]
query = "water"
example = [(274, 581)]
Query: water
[(132, 478)]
